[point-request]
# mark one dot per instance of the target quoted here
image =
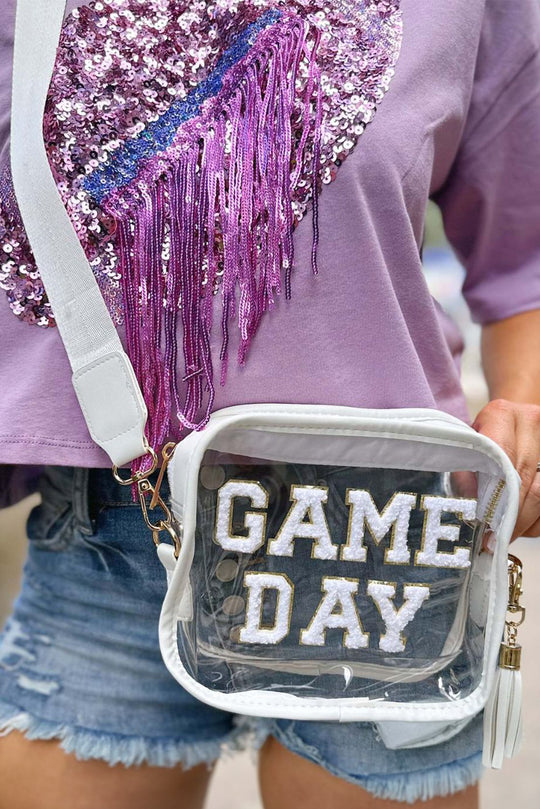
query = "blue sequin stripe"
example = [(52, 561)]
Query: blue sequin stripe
[(158, 135)]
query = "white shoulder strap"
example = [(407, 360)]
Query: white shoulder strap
[(103, 376)]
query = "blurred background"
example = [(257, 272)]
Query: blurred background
[(235, 785)]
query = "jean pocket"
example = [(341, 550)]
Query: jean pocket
[(53, 524)]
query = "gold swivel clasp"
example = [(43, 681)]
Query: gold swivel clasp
[(150, 498)]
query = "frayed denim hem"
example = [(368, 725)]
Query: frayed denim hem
[(422, 785), (116, 748), (405, 787), (253, 731)]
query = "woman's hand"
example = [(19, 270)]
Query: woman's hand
[(516, 428)]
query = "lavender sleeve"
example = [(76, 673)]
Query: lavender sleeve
[(491, 200)]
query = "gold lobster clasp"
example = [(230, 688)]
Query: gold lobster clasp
[(515, 590), (145, 489), (510, 651)]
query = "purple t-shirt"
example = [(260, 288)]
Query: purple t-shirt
[(460, 124)]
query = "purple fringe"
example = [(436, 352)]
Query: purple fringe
[(218, 205)]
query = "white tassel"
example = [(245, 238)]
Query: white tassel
[(502, 715), (502, 719)]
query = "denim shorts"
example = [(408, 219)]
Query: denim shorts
[(80, 660)]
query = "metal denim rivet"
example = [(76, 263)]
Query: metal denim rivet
[(233, 605), (212, 477), (226, 570)]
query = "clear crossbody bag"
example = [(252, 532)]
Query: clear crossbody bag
[(322, 562), (331, 566)]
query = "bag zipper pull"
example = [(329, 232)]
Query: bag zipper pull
[(502, 716)]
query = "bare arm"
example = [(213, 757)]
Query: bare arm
[(511, 358), (511, 361)]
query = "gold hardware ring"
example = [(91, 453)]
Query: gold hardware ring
[(137, 476)]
